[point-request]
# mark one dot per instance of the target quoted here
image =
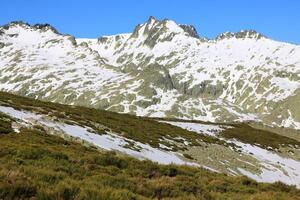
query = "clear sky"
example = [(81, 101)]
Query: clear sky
[(277, 19)]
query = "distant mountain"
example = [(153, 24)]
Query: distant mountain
[(161, 69)]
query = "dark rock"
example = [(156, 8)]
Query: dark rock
[(102, 39), (72, 40), (191, 30), (151, 18), (45, 27), (7, 26), (242, 34)]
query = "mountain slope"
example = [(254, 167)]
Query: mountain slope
[(34, 164), (161, 70), (234, 149)]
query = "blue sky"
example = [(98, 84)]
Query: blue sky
[(277, 19)]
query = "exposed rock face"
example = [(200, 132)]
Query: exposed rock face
[(161, 69), (191, 30), (251, 34), (45, 27)]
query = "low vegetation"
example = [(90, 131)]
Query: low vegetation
[(266, 139), (147, 130), (36, 165), (248, 134), (5, 124), (144, 130)]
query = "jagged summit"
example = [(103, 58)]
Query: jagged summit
[(152, 28), (190, 29), (155, 31), (45, 27), (162, 30), (42, 27), (252, 34), (151, 18), (14, 23), (155, 24)]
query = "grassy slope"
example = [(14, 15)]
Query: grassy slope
[(248, 134), (35, 164), (5, 124), (145, 130)]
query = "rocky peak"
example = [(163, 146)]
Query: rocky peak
[(45, 27), (251, 34), (155, 31), (190, 30), (151, 19), (24, 25), (15, 23)]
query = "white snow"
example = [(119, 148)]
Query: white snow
[(274, 167), (207, 129), (49, 62), (285, 86), (107, 141), (114, 142), (290, 122)]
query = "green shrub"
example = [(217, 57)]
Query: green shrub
[(5, 124), (34, 165), (266, 139)]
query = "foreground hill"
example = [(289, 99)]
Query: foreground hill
[(259, 152), (161, 69), (36, 164)]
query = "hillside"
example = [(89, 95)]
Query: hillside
[(36, 164), (235, 149)]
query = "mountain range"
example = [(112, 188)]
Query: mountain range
[(161, 69)]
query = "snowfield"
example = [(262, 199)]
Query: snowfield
[(274, 167)]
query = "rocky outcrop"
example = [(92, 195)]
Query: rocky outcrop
[(252, 34), (190, 30)]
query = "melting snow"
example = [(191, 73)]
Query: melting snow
[(274, 167), (107, 141), (290, 122), (207, 129)]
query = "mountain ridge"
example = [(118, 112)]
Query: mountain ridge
[(186, 27), (159, 70)]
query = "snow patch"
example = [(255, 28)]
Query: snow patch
[(207, 129), (107, 141)]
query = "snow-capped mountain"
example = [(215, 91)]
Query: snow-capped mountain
[(161, 69)]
